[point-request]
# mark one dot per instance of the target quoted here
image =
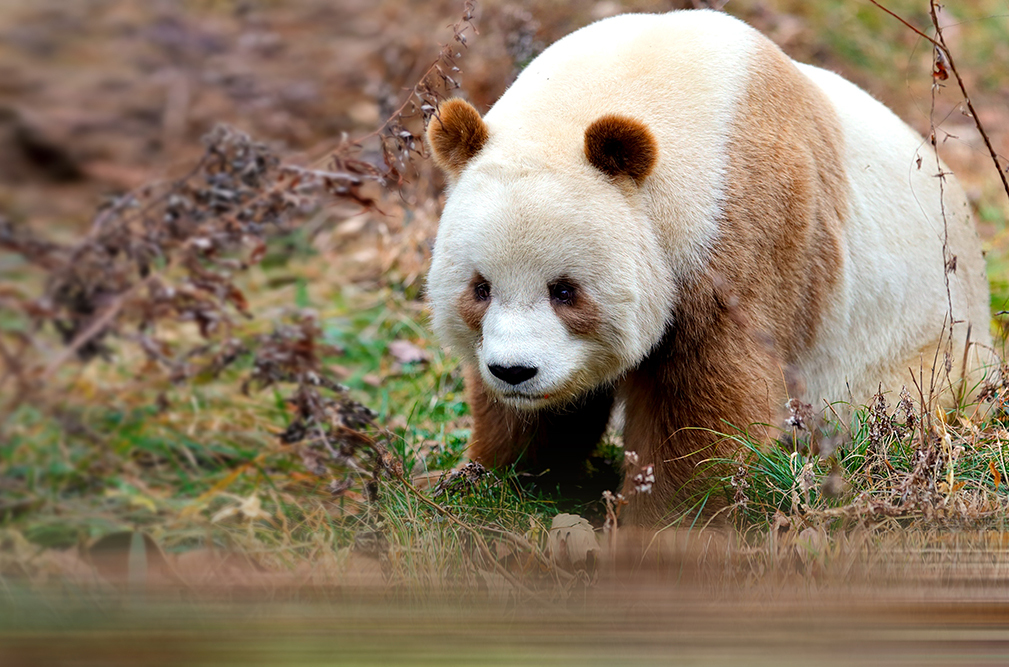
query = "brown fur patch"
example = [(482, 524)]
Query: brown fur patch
[(456, 134), (617, 146), (472, 309), (706, 376), (561, 438), (582, 317), (773, 270), (781, 248)]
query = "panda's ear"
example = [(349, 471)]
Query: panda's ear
[(456, 134), (621, 146)]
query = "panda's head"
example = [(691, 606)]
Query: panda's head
[(547, 275)]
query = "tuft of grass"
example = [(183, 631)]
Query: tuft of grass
[(198, 466), (919, 467)]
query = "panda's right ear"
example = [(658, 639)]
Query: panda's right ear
[(456, 134)]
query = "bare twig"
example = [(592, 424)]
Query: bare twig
[(939, 43), (933, 12)]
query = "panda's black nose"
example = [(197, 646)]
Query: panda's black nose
[(513, 374)]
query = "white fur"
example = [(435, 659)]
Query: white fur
[(535, 228), (892, 309), (529, 209)]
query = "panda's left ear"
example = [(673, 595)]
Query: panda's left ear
[(456, 134), (621, 146)]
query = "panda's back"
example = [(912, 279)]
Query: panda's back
[(893, 307)]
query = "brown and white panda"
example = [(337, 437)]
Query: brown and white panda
[(667, 211)]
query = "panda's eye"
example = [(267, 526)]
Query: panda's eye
[(563, 292), (481, 290)]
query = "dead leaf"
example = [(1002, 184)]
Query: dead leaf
[(406, 352), (250, 508), (572, 543), (940, 69)]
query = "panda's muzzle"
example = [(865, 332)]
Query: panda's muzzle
[(513, 375)]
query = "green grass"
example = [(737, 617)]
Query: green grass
[(119, 448), (109, 457), (962, 484)]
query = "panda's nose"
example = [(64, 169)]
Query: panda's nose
[(513, 374)]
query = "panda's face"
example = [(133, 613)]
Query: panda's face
[(548, 282), (537, 334), (537, 339)]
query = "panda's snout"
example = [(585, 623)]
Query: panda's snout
[(512, 374)]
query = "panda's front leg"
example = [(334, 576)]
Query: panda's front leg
[(558, 439), (684, 407)]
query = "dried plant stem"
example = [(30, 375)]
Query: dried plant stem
[(459, 30), (398, 113), (939, 42), (112, 310), (961, 390), (97, 325), (107, 215)]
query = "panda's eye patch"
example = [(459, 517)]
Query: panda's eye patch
[(563, 292), (481, 290)]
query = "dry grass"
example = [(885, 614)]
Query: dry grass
[(292, 486)]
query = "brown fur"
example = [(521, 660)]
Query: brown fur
[(557, 438), (582, 317), (619, 146), (471, 309), (456, 134), (782, 251), (723, 361), (707, 376)]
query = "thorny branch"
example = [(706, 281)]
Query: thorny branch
[(945, 57)]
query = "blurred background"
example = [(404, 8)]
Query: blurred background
[(155, 509), (100, 96)]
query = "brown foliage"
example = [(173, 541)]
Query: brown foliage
[(163, 260)]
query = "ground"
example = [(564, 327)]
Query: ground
[(148, 465)]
